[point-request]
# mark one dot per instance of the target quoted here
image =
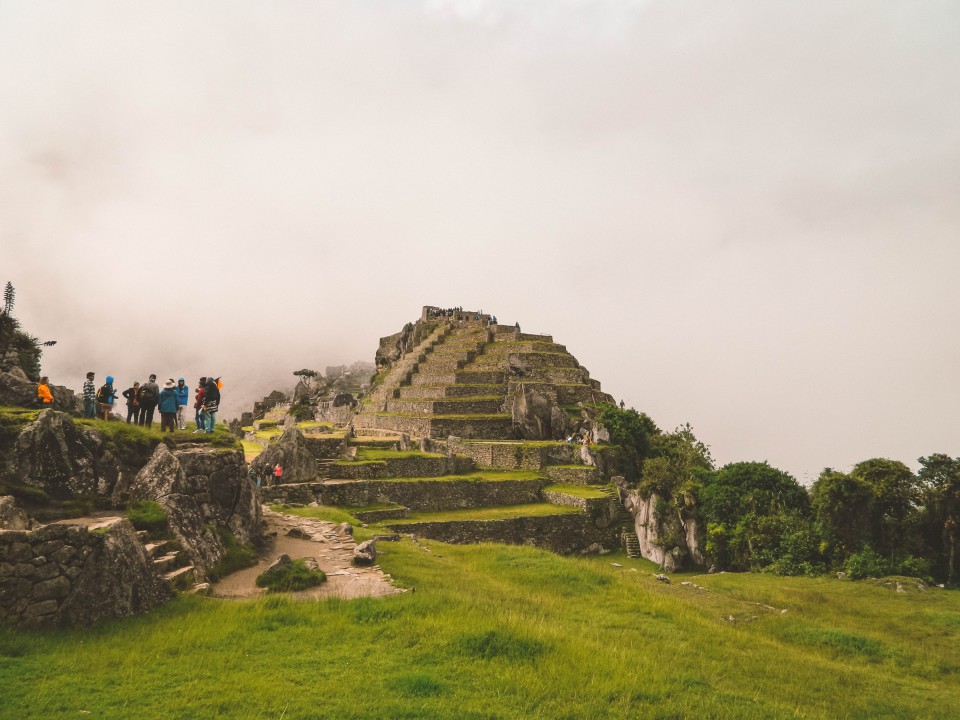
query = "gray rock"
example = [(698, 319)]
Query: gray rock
[(299, 532), (365, 553), (11, 516), (345, 528), (63, 459), (532, 413), (293, 453), (663, 579)]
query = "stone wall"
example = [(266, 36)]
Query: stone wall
[(564, 534), (76, 575), (431, 495)]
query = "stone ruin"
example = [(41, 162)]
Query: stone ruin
[(86, 569)]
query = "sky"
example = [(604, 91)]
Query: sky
[(741, 215)]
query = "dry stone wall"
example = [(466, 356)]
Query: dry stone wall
[(75, 575)]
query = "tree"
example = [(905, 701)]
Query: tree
[(843, 507), (741, 503), (305, 374), (634, 432), (896, 500), (941, 475)]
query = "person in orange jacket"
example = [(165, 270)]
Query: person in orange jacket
[(44, 396)]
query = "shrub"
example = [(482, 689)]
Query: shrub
[(866, 563), (148, 515), (291, 576)]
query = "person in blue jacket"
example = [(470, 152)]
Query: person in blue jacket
[(183, 399), (105, 397), (168, 406)]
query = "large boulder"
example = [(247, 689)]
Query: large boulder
[(292, 451), (116, 580), (200, 490), (20, 391), (63, 459), (532, 413)]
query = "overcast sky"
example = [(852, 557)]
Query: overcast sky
[(742, 215)]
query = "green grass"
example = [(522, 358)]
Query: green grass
[(322, 512), (148, 515), (383, 454), (268, 434), (508, 632), (505, 512), (489, 416), (251, 449), (313, 424), (582, 491)]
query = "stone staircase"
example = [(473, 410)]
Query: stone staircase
[(171, 563), (627, 530)]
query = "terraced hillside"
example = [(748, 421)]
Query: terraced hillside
[(436, 447), (463, 380)]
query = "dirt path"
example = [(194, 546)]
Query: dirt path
[(333, 551)]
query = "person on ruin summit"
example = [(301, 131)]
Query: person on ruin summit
[(168, 406), (183, 399), (211, 403), (105, 397), (198, 405), (149, 394), (44, 396), (133, 404), (89, 397)]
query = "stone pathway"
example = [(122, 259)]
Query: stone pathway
[(331, 548)]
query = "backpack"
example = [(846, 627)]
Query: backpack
[(146, 395)]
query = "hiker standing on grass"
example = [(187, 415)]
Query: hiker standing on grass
[(149, 394), (44, 396), (168, 406), (211, 403), (277, 474), (133, 406), (183, 399), (89, 397), (105, 397), (198, 405)]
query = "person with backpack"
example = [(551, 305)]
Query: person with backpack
[(183, 398), (211, 403), (149, 395), (133, 405), (168, 406), (105, 397)]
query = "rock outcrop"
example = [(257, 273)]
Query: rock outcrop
[(63, 459), (669, 539), (20, 391), (292, 451), (200, 490)]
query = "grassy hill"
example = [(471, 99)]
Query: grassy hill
[(510, 632)]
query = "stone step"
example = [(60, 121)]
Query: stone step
[(166, 562), (504, 333), (182, 578), (525, 360), (152, 549)]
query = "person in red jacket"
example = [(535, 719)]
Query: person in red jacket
[(198, 405), (277, 474)]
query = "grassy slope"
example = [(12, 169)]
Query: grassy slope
[(508, 632)]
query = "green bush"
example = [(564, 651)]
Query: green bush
[(148, 515), (866, 563), (290, 578)]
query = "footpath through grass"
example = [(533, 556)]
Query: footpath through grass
[(509, 632)]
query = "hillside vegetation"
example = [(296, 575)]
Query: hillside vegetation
[(510, 632)]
